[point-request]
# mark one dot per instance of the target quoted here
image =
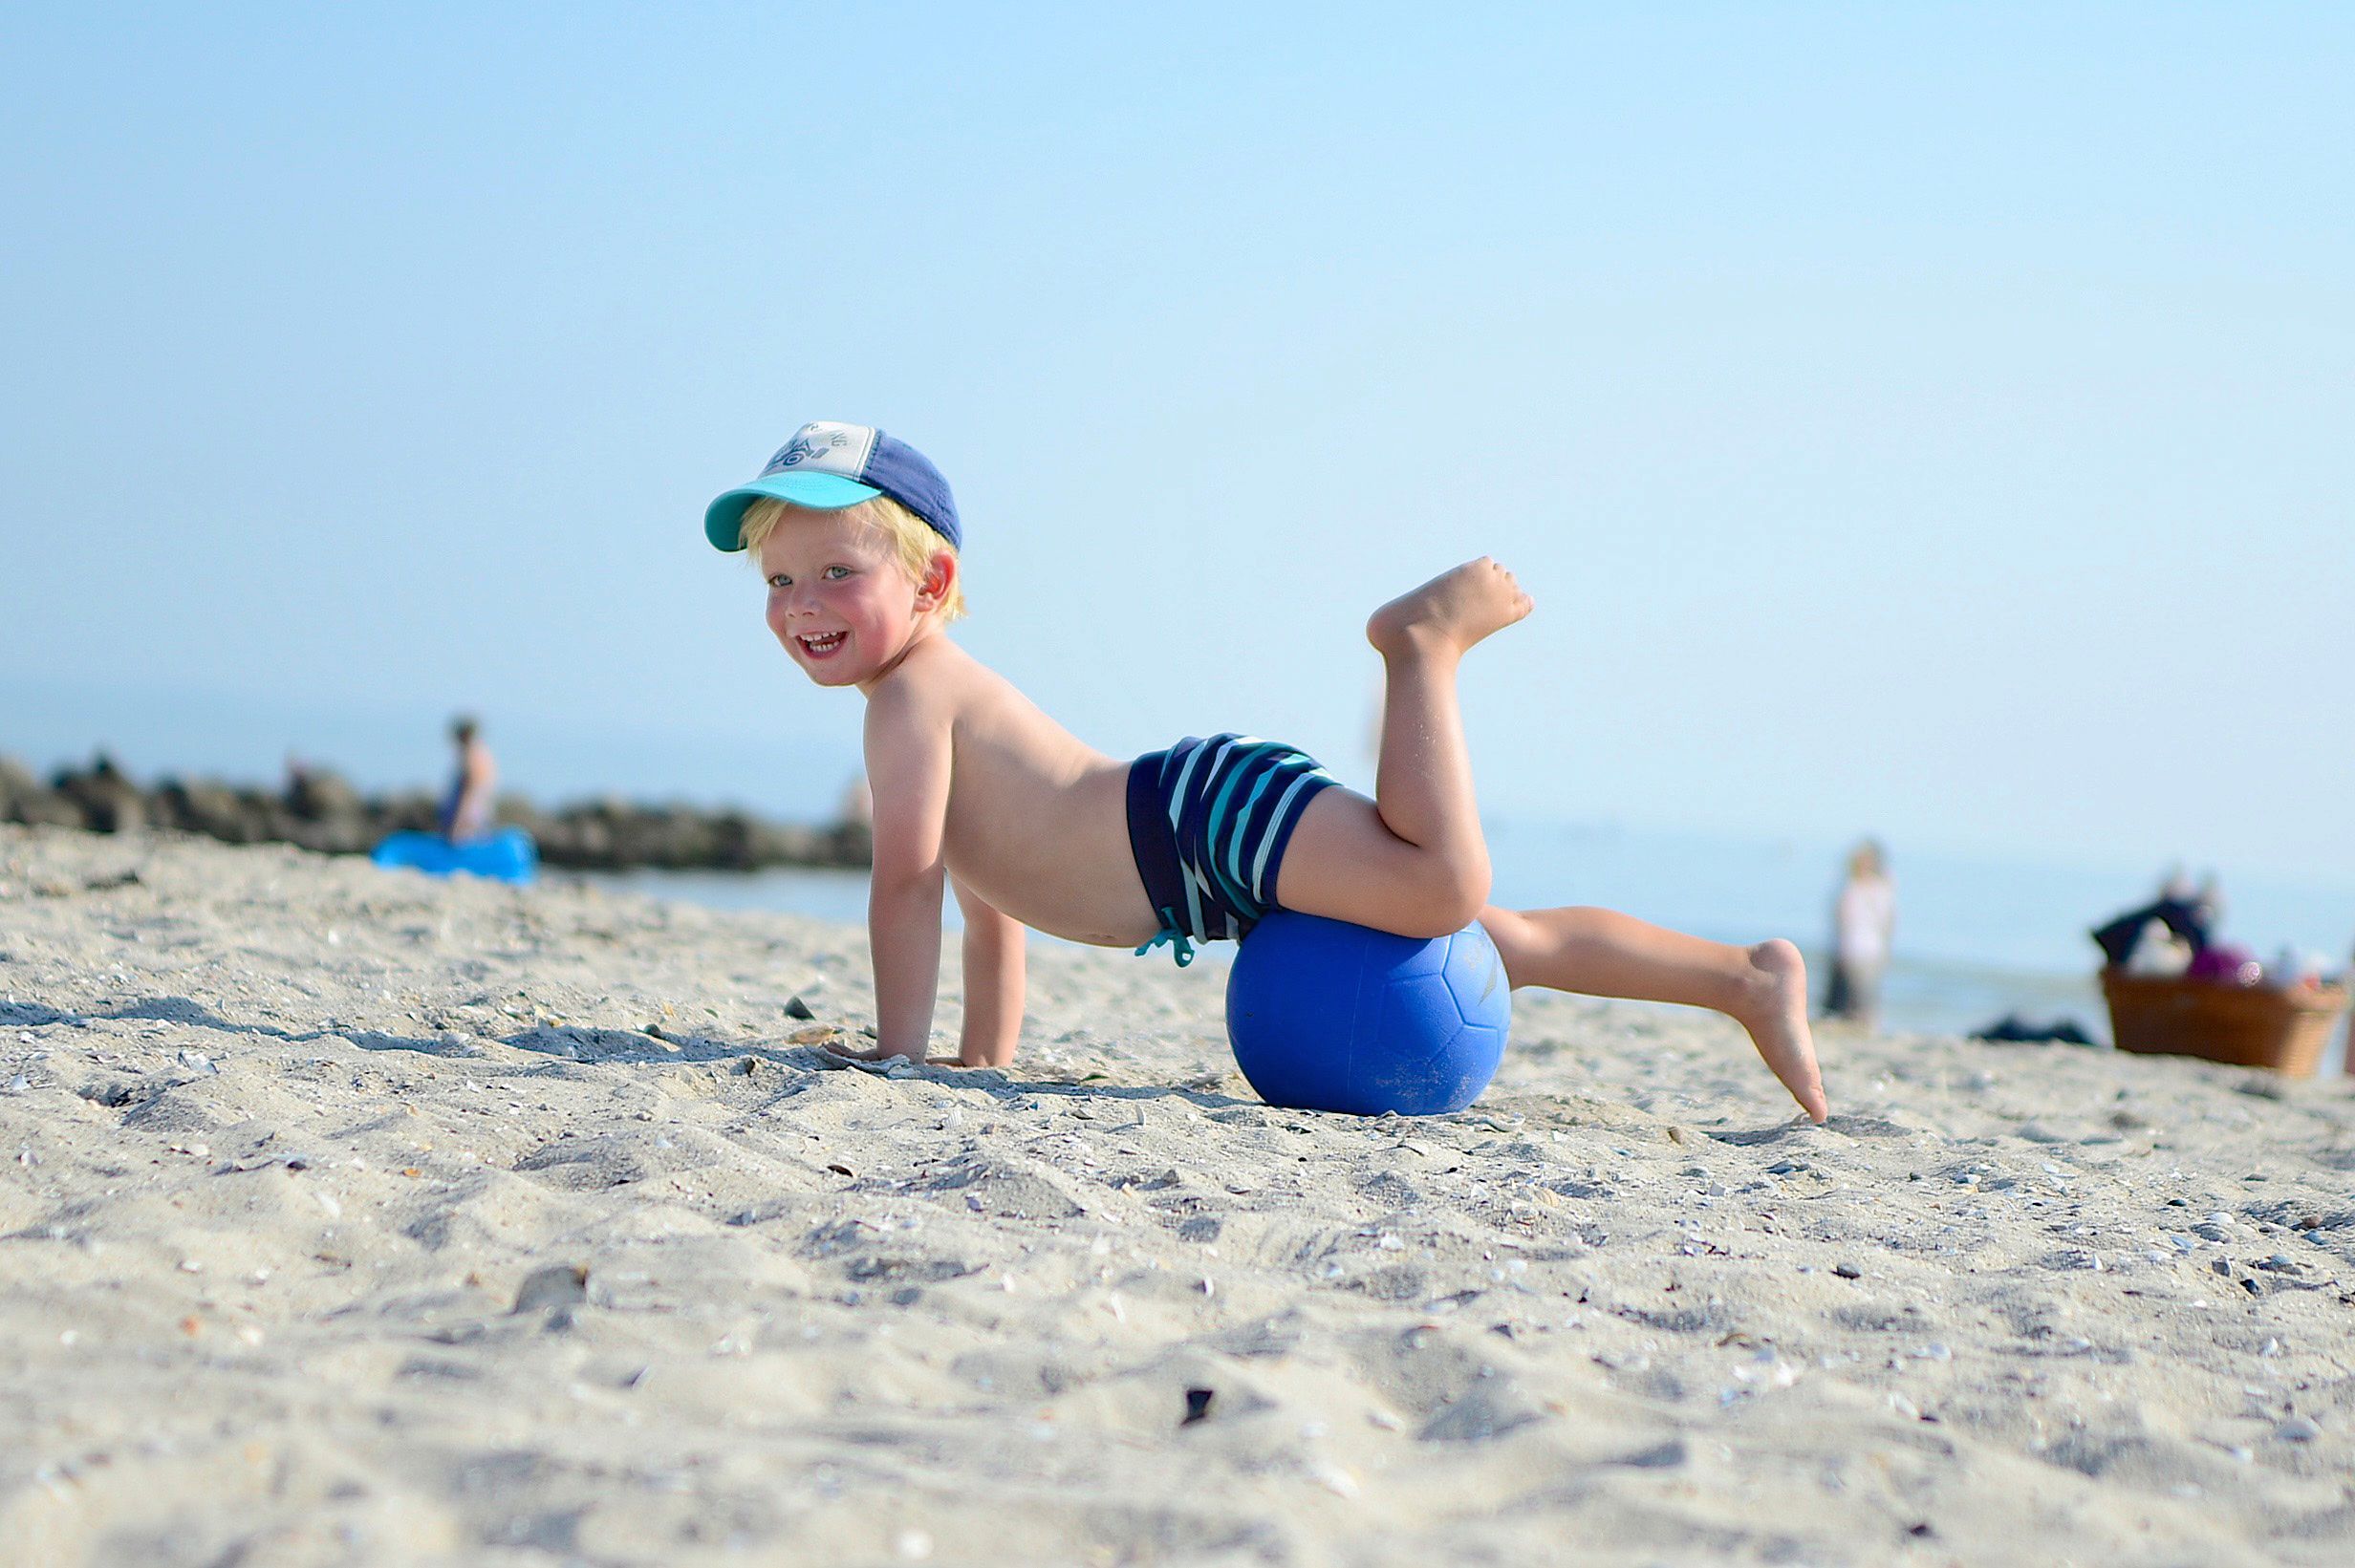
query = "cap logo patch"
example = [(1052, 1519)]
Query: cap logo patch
[(825, 447)]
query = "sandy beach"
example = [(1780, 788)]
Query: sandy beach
[(348, 1217)]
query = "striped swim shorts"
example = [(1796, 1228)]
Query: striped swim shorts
[(1208, 820)]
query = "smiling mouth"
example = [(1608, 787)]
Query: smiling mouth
[(819, 645)]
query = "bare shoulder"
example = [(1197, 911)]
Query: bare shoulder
[(943, 694), (933, 684)]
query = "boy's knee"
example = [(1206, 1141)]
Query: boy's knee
[(1470, 899), (1455, 891)]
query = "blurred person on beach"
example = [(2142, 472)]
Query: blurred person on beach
[(1864, 921), (978, 792), (858, 808), (466, 804)]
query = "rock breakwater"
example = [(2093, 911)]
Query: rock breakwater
[(321, 811)]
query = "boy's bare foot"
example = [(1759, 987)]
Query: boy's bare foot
[(1451, 611), (875, 1056), (1777, 1019)]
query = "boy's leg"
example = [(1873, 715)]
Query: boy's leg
[(1601, 953), (1413, 859)]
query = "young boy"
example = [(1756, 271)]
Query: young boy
[(857, 538)]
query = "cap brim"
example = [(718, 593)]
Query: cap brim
[(723, 520)]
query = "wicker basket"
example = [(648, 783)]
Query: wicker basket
[(2247, 1025)]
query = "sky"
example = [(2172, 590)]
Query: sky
[(1926, 419)]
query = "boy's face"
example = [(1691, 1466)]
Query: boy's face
[(838, 598)]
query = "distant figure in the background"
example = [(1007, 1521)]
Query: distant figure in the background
[(1863, 918), (858, 808), (466, 807)]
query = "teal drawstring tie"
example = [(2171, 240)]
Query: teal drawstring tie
[(1179, 948)]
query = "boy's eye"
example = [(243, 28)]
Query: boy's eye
[(780, 580), (837, 571)]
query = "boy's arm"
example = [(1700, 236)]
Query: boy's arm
[(908, 763), (994, 949)]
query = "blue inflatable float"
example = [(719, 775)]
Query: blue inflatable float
[(1327, 1016), (507, 855)]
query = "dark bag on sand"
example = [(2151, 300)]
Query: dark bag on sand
[(2187, 921), (2011, 1029)]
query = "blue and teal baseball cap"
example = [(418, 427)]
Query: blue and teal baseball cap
[(828, 466)]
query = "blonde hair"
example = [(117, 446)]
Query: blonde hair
[(913, 542)]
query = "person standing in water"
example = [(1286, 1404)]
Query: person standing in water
[(1864, 919), (466, 806)]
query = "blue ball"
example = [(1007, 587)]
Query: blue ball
[(1327, 1016)]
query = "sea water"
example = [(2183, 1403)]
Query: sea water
[(1977, 937)]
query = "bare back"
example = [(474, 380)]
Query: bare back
[(1037, 821)]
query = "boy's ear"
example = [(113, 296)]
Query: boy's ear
[(939, 577)]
